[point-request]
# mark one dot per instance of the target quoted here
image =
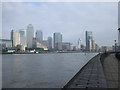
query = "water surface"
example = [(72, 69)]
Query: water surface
[(41, 70)]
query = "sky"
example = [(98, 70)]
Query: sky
[(71, 19)]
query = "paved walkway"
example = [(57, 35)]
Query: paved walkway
[(110, 67), (90, 76)]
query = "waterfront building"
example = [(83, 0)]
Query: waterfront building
[(15, 37), (65, 46), (57, 39), (45, 43), (22, 39), (22, 33), (74, 48), (39, 35), (90, 45), (93, 46), (89, 38), (49, 43), (42, 44), (79, 44), (106, 48), (5, 43), (30, 35)]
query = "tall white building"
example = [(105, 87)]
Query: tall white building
[(79, 44), (39, 35), (30, 35), (15, 37)]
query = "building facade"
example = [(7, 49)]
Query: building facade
[(42, 44), (57, 39), (39, 35), (65, 46), (5, 43), (30, 35), (22, 39), (15, 37), (89, 38), (49, 43), (79, 44)]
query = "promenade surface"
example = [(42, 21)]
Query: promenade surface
[(97, 74), (110, 67), (90, 76)]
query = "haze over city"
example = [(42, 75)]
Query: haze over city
[(70, 19)]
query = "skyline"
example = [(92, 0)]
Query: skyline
[(64, 18)]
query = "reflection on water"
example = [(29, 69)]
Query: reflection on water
[(41, 70)]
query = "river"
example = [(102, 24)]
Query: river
[(41, 70)]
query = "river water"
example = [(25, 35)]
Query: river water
[(41, 70)]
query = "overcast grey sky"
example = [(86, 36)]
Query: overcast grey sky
[(72, 19)]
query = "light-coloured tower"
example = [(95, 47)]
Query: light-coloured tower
[(79, 44), (15, 37), (30, 35), (39, 35)]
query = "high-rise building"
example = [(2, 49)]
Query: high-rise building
[(30, 35), (15, 37), (57, 39), (89, 38), (66, 46), (22, 33), (22, 39), (49, 43), (5, 43), (90, 45), (42, 44), (39, 35), (79, 44)]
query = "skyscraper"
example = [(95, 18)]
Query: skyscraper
[(12, 36), (39, 35), (22, 37), (89, 38), (49, 43), (15, 37), (30, 35), (57, 38), (79, 44)]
